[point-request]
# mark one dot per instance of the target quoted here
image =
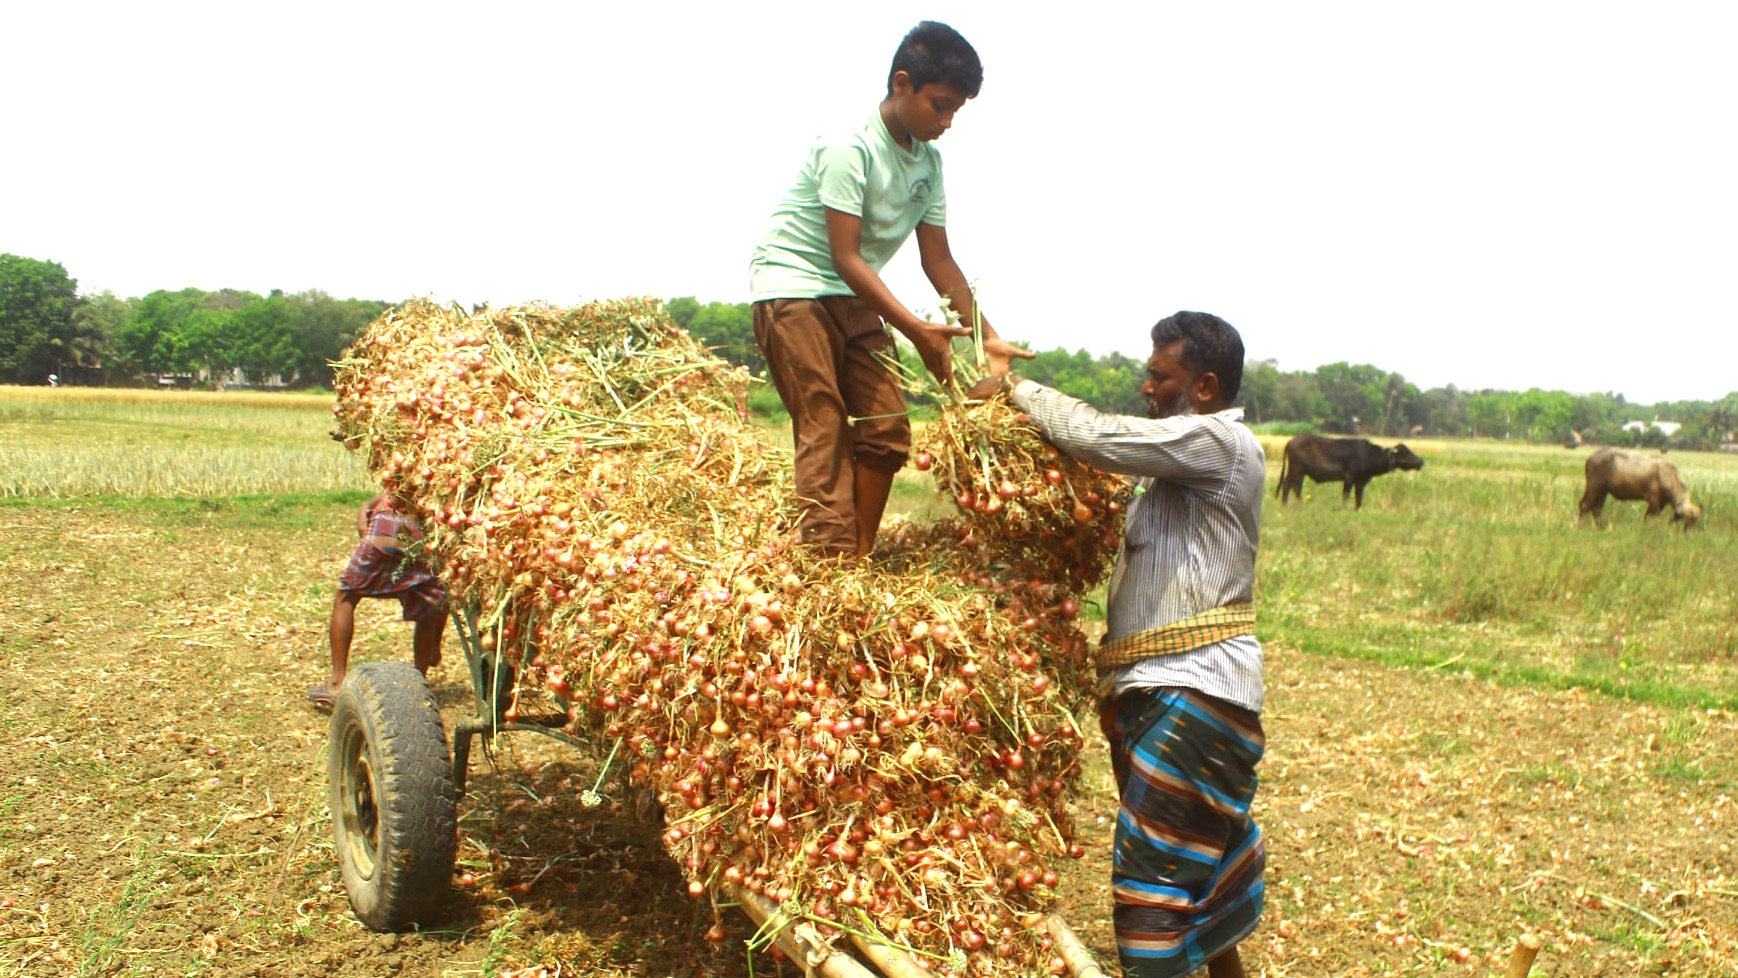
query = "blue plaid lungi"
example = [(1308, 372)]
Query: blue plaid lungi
[(1188, 867)]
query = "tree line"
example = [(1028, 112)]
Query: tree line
[(47, 327), (1338, 398)]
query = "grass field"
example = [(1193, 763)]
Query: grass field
[(1482, 720), (70, 442), (1478, 562)]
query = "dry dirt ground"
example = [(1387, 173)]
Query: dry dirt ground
[(162, 800)]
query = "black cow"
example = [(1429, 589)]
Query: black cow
[(1350, 461)]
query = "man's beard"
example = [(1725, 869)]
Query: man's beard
[(1179, 405)]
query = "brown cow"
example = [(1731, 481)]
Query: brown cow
[(1626, 475)]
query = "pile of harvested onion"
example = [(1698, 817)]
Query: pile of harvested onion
[(885, 746)]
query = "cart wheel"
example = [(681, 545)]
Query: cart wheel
[(391, 794)]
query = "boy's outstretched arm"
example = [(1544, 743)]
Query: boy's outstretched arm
[(944, 273), (844, 238)]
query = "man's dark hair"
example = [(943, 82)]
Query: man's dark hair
[(1210, 344), (935, 52)]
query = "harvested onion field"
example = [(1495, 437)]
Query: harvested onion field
[(1482, 721), (81, 441)]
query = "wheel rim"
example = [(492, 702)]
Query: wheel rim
[(360, 816)]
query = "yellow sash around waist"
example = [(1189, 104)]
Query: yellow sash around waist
[(1183, 635)]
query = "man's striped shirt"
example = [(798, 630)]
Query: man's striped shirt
[(1189, 537)]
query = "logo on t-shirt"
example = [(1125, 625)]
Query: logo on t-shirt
[(920, 188)]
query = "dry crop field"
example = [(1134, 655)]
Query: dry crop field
[(1483, 721)]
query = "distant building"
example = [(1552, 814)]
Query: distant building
[(234, 379), (1668, 428)]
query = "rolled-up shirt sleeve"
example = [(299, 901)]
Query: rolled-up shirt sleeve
[(1179, 449)]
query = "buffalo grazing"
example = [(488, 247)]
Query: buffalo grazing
[(1353, 462), (1626, 475)]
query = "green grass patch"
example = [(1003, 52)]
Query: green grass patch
[(283, 510), (1479, 563), (106, 930), (1551, 774), (1680, 768), (765, 405)]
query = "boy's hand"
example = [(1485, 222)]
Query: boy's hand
[(1001, 354), (932, 342), (369, 508)]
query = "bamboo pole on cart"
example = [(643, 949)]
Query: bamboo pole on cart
[(893, 962), (799, 941), (1073, 953), (1521, 959), (816, 956)]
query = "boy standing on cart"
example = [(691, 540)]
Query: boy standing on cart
[(383, 565), (820, 306)]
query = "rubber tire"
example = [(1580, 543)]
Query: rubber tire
[(394, 816)]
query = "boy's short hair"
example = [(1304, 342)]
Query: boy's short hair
[(1210, 344), (935, 52)]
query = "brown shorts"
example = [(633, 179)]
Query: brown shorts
[(846, 407)]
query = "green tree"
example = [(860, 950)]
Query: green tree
[(1357, 396), (1398, 398), (99, 320), (262, 342), (1260, 393), (37, 331), (1300, 398), (1489, 414), (322, 328), (682, 309), (1723, 417), (209, 340), (1270, 394), (184, 332), (1120, 380), (1442, 411), (204, 342), (1594, 414), (726, 327), (148, 343), (1070, 373), (1543, 415)]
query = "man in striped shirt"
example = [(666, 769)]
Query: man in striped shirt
[(1180, 667)]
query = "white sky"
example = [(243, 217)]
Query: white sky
[(1490, 194)]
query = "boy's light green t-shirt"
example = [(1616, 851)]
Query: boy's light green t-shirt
[(863, 173)]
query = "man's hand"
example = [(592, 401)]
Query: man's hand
[(992, 385), (1001, 354)]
